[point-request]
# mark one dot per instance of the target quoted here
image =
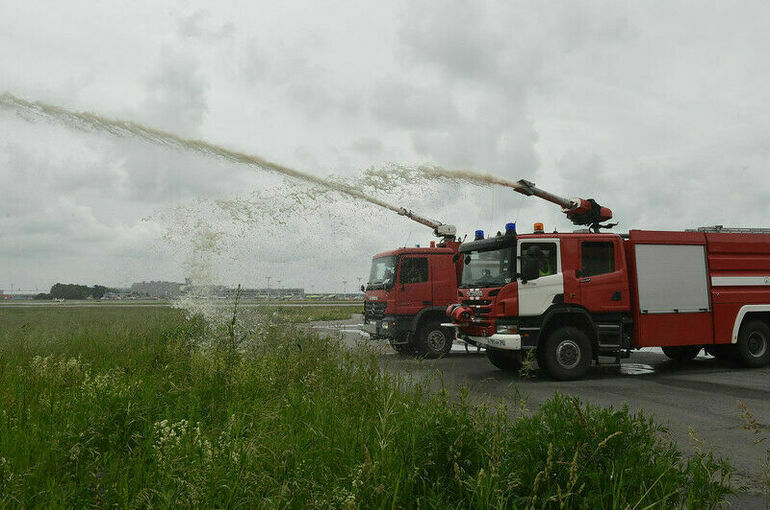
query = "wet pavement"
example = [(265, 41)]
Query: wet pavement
[(701, 395)]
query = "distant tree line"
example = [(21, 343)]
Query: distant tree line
[(74, 291)]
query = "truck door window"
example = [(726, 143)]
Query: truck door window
[(381, 275), (598, 258), (414, 270), (538, 259)]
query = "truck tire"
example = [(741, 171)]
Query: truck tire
[(567, 353), (681, 352), (504, 360), (433, 340), (753, 347)]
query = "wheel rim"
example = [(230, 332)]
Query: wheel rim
[(568, 354), (757, 344), (436, 340)]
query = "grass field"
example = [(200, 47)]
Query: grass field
[(141, 407)]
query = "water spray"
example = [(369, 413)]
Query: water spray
[(579, 211), (86, 121)]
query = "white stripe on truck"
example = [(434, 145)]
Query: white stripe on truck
[(739, 281)]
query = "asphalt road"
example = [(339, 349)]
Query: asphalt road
[(702, 394)]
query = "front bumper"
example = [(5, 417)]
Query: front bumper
[(387, 327), (496, 341)]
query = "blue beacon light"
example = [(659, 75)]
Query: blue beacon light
[(510, 227), (479, 235)]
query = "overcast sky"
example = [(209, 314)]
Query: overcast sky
[(659, 110)]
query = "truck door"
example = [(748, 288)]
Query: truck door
[(414, 281), (602, 280), (443, 279), (538, 290)]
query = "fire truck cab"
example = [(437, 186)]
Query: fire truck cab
[(573, 297), (407, 296)]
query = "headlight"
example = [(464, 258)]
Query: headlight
[(506, 329)]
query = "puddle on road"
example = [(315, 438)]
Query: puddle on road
[(353, 328), (636, 369)]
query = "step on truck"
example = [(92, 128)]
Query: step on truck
[(569, 299), (409, 290)]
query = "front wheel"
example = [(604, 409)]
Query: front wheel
[(434, 341), (567, 353), (504, 360), (682, 352), (753, 349)]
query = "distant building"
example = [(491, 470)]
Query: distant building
[(263, 293), (157, 289)]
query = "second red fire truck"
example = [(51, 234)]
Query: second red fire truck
[(409, 289), (570, 298)]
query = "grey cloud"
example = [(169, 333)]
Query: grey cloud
[(657, 117), (370, 147), (176, 94), (418, 108), (451, 36), (199, 25)]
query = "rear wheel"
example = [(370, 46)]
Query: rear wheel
[(567, 353), (682, 352), (505, 360), (753, 344), (434, 341)]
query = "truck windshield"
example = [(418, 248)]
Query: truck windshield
[(383, 272), (487, 268)]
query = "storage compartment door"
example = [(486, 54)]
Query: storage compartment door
[(672, 286)]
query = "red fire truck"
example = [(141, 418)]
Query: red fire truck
[(571, 298), (409, 290)]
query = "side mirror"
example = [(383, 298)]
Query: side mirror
[(467, 259), (455, 257), (363, 288)]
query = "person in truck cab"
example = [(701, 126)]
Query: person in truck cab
[(545, 266), (536, 263)]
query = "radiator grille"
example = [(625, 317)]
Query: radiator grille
[(374, 310)]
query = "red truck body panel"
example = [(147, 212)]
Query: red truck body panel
[(739, 267), (737, 263)]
